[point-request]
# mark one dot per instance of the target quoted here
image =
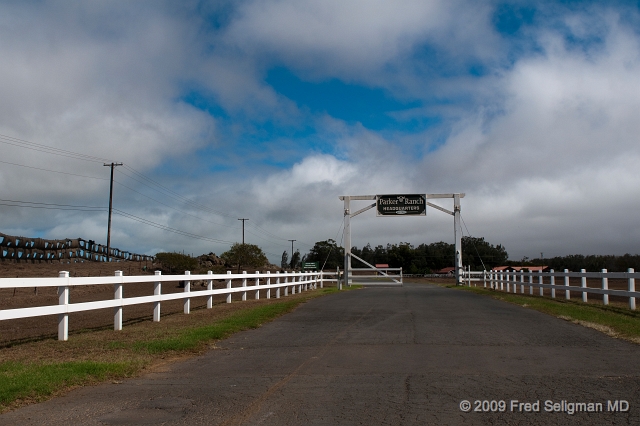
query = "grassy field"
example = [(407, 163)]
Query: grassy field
[(38, 370), (616, 321)]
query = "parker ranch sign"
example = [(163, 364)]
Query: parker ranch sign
[(401, 205)]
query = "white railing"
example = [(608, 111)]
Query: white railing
[(506, 281), (280, 282)]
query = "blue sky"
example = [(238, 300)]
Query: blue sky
[(270, 110)]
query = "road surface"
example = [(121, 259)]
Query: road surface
[(379, 356)]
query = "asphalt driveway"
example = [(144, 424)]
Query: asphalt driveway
[(380, 356)]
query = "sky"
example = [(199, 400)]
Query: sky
[(269, 110)]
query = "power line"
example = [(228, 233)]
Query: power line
[(49, 206), (54, 206), (133, 174), (53, 171), (167, 228), (9, 140), (173, 208), (172, 193)]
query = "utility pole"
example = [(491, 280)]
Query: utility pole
[(243, 229), (292, 251), (112, 165)]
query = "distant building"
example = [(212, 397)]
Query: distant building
[(450, 270)]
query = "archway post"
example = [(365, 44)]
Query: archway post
[(457, 230)]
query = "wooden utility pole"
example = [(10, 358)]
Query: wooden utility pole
[(112, 165), (292, 252), (243, 219)]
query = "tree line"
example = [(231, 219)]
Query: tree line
[(590, 263), (421, 259)]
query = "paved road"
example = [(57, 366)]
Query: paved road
[(378, 356)]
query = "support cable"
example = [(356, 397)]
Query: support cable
[(472, 243)]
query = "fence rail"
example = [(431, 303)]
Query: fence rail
[(506, 281), (280, 282)]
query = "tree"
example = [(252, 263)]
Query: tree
[(295, 259), (285, 260), (244, 255), (326, 251)]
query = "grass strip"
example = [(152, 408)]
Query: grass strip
[(19, 380), (25, 382), (193, 339), (614, 321)]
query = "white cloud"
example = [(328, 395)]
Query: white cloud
[(359, 37), (552, 169)]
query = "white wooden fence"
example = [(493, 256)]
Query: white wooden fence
[(280, 282), (510, 281)]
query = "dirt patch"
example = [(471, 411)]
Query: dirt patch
[(24, 330)]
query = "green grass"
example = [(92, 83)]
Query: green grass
[(19, 380), (191, 339), (23, 382), (621, 322)]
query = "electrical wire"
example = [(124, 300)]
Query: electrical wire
[(174, 208), (167, 228), (53, 171), (50, 206), (133, 174), (9, 140)]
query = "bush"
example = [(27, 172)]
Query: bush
[(176, 263)]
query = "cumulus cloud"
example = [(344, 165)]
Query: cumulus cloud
[(560, 154), (543, 140), (357, 39)]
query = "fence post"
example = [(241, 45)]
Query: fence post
[(300, 282), (541, 281), (522, 282), (293, 280), (508, 283), (63, 299), (257, 284), (210, 287), (583, 284), (321, 279), (157, 291), (286, 287), (244, 284), (567, 293), (187, 289), (605, 286), (530, 282), (117, 311), (501, 282), (268, 285), (278, 288), (552, 279), (229, 286), (632, 287)]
